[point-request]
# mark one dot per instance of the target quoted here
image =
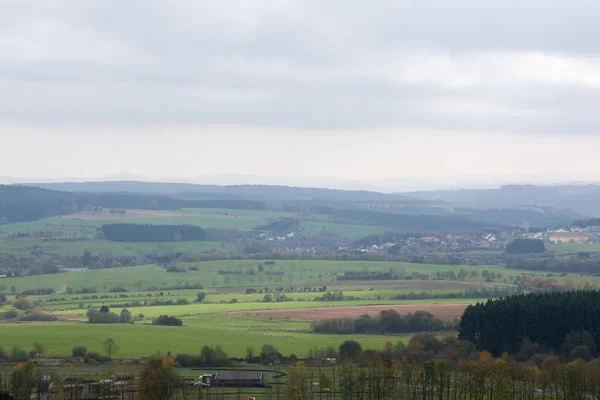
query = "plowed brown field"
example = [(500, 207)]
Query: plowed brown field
[(445, 312)]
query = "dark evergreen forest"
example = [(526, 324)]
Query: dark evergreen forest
[(152, 233), (502, 325)]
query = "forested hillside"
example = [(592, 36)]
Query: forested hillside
[(22, 203), (402, 222)]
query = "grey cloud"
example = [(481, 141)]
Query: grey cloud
[(305, 64)]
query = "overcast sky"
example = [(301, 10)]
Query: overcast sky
[(348, 89)]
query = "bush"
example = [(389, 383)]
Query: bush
[(10, 314), (23, 303), (125, 316), (79, 351), (99, 317), (17, 354), (118, 289), (91, 357), (166, 320), (38, 316), (200, 297)]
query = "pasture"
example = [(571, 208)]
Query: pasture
[(84, 225), (105, 248), (574, 248), (233, 332), (232, 273)]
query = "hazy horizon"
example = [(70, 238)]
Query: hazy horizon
[(381, 94)]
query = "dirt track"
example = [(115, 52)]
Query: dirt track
[(443, 311)]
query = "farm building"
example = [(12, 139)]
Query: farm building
[(234, 379)]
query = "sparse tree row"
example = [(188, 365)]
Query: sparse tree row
[(409, 377), (545, 320)]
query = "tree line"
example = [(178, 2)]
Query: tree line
[(152, 233), (576, 264), (388, 321)]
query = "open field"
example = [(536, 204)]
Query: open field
[(234, 333), (76, 313), (103, 247), (288, 272), (447, 312), (574, 248), (85, 224)]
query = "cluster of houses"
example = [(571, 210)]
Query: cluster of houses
[(572, 235), (444, 243)]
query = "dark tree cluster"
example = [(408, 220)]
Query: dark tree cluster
[(501, 325), (167, 320), (526, 246), (578, 264), (370, 276), (152, 233), (388, 321)]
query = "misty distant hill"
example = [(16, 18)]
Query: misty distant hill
[(22, 203), (583, 199), (262, 192), (506, 206)]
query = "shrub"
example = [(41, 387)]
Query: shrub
[(23, 303), (125, 316), (17, 354), (99, 317), (79, 351), (91, 357), (118, 289), (193, 268), (200, 297), (41, 316), (11, 314), (166, 320)]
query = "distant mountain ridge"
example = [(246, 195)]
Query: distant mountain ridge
[(584, 199)]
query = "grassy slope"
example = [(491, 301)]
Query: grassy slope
[(296, 271), (117, 249), (85, 224), (234, 333)]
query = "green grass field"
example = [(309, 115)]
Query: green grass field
[(574, 248), (115, 249), (294, 272), (85, 224), (234, 332)]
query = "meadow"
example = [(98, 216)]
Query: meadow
[(83, 225), (233, 332), (574, 248), (281, 273), (102, 247)]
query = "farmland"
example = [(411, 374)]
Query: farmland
[(234, 333), (289, 272)]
